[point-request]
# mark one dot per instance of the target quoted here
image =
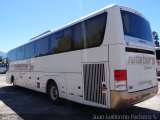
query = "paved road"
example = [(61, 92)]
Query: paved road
[(20, 103)]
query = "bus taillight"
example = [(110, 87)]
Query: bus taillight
[(120, 77)]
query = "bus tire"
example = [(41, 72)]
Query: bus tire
[(53, 93)]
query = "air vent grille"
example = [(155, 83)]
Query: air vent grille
[(94, 76)]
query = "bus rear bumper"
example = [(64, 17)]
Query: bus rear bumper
[(122, 99)]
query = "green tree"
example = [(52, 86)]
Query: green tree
[(156, 38)]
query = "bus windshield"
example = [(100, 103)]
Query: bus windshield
[(136, 26)]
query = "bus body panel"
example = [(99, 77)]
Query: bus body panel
[(74, 87), (141, 71), (114, 31), (116, 61), (59, 60), (95, 54)]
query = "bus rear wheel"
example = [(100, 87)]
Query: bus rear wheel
[(53, 93)]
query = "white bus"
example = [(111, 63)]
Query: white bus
[(158, 62), (106, 59)]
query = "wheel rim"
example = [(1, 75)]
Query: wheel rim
[(53, 93)]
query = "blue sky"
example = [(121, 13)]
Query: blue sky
[(21, 20)]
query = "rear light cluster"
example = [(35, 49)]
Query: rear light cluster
[(120, 79)]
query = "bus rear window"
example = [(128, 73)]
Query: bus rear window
[(136, 26)]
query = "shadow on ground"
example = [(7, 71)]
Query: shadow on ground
[(30, 104)]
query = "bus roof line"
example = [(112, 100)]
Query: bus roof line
[(72, 22), (40, 35)]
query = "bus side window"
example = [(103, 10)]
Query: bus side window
[(12, 55), (79, 36), (29, 50), (95, 28), (20, 53), (41, 46), (61, 41)]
